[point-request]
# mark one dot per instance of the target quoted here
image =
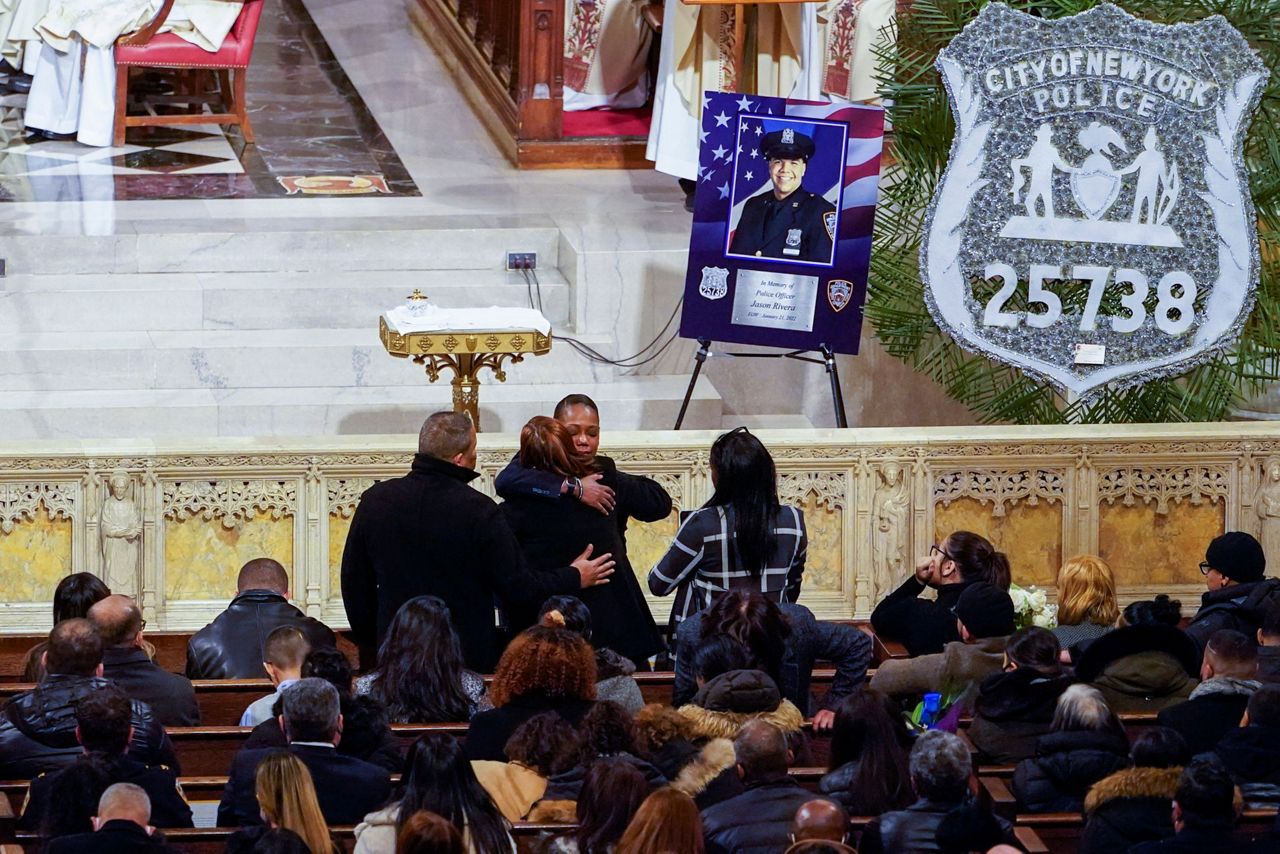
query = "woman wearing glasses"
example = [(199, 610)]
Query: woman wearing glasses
[(924, 626), (744, 538)]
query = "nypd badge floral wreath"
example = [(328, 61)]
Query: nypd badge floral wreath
[(1067, 230)]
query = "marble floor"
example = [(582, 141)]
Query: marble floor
[(315, 136)]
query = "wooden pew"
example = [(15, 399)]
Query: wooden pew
[(223, 701)]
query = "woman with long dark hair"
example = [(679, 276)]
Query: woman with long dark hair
[(867, 772), (438, 778), (553, 533), (73, 597), (925, 626), (420, 677), (743, 538)]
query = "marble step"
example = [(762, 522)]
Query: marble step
[(463, 242), (238, 359), (199, 301), (627, 403)]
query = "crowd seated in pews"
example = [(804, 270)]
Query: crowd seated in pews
[(561, 736)]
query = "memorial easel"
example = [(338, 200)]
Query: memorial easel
[(828, 361)]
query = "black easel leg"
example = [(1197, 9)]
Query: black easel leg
[(704, 350), (837, 396)]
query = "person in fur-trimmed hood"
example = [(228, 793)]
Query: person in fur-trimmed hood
[(1132, 805), (702, 769), (732, 692)]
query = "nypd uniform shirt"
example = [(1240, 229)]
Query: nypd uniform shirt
[(797, 228)]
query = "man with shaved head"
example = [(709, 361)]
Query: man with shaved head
[(121, 825), (759, 820), (231, 647), (819, 819), (125, 662)]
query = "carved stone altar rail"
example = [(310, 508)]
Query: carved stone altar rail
[(172, 524)]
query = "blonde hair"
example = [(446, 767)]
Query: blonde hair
[(1087, 592), (287, 798)]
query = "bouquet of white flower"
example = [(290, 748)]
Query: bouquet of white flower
[(1031, 608)]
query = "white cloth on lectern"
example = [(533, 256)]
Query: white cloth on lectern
[(673, 135), (74, 92)]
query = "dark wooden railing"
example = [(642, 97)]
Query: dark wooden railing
[(507, 57)]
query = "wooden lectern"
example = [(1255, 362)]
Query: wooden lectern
[(744, 36)]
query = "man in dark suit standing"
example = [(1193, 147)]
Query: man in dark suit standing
[(347, 788), (429, 533), (788, 222), (126, 663)]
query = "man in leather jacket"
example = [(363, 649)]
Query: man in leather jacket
[(38, 728), (231, 646)]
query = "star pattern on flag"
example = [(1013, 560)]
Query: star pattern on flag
[(744, 104), (720, 152), (702, 137), (722, 120), (749, 176), (724, 190), (726, 129)]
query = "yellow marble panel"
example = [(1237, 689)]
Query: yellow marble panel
[(1145, 547), (34, 557), (202, 557), (1030, 536), (823, 568), (647, 542), (338, 528)]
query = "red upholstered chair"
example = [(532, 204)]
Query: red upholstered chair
[(146, 49)]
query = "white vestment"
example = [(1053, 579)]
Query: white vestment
[(73, 90), (851, 31), (697, 55), (606, 54)]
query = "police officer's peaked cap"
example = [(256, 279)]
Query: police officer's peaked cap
[(787, 144)]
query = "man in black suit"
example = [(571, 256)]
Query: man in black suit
[(429, 533), (120, 827), (127, 664), (347, 788), (789, 222), (231, 646)]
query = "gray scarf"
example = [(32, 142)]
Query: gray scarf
[(1226, 685)]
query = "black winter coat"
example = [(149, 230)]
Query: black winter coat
[(553, 533), (38, 729), (169, 695), (847, 647), (839, 784), (758, 821), (231, 646), (913, 829), (1203, 721), (924, 626), (1127, 808), (1240, 607), (168, 808), (1012, 711), (1252, 755), (429, 533), (489, 730), (1066, 764), (118, 836)]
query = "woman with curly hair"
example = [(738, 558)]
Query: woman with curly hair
[(552, 533), (545, 669), (420, 677)]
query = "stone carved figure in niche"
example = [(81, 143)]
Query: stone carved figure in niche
[(1266, 503), (120, 533), (890, 512)]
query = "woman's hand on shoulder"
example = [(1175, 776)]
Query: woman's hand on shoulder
[(593, 572), (596, 494)]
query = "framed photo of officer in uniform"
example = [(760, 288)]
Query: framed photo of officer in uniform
[(786, 190)]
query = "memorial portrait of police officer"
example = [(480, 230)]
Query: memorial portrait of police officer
[(787, 222)]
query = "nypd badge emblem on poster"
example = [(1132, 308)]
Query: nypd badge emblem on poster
[(781, 238), (1094, 223)]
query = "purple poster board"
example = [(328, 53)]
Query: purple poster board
[(780, 248)]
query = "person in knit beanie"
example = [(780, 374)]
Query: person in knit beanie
[(1234, 569)]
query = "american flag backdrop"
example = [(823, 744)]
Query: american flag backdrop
[(844, 169)]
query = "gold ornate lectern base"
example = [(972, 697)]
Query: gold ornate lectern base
[(465, 354)]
